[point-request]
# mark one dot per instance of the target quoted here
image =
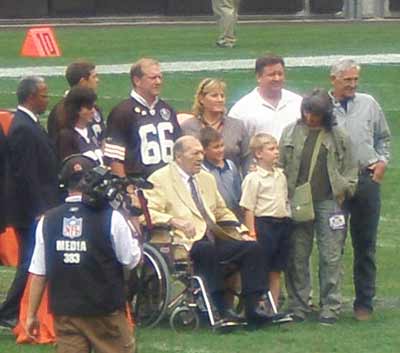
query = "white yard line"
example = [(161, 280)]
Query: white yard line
[(188, 66)]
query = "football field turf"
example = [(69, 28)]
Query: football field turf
[(122, 45)]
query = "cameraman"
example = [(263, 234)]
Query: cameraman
[(81, 252)]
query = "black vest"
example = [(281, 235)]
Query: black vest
[(83, 273)]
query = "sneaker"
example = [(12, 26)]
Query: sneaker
[(362, 314), (223, 44), (327, 320)]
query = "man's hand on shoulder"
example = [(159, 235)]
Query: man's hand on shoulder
[(183, 225)]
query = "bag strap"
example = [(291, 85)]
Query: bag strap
[(314, 156)]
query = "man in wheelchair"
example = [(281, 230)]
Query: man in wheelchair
[(186, 198)]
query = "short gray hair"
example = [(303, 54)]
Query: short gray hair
[(343, 64), (28, 86)]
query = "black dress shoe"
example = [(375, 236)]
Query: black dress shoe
[(232, 315), (9, 323), (256, 310), (258, 316), (226, 326)]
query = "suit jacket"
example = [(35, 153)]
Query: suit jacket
[(170, 198), (32, 171)]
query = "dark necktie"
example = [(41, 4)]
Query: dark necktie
[(200, 206)]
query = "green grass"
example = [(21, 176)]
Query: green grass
[(172, 43), (379, 335), (194, 42), (309, 337)]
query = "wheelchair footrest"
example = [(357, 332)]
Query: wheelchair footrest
[(282, 318)]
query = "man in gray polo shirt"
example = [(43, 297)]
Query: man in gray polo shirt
[(365, 122)]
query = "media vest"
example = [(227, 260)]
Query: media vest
[(84, 275)]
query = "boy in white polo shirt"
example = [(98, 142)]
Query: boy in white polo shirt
[(266, 207)]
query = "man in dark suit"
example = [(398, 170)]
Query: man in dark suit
[(32, 182)]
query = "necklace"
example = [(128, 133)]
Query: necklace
[(217, 124)]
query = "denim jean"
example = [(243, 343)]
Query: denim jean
[(364, 209)]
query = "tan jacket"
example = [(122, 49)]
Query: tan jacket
[(171, 199)]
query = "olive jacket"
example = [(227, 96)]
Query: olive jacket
[(342, 169)]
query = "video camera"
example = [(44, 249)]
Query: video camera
[(102, 188)]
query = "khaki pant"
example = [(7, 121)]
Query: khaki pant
[(227, 13), (105, 334), (330, 245)]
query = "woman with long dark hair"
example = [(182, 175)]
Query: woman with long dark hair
[(75, 137)]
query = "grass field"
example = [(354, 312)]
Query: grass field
[(189, 42)]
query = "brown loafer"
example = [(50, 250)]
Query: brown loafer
[(362, 314)]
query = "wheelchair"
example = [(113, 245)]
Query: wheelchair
[(167, 288)]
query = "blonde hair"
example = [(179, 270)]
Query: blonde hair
[(258, 141), (205, 86)]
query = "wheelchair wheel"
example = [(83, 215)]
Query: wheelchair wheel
[(184, 318), (153, 294)]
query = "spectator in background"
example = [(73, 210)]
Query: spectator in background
[(315, 150), (83, 74), (142, 129), (76, 136), (209, 110), (32, 178), (227, 13), (224, 170), (363, 118), (269, 107)]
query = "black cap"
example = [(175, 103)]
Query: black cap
[(74, 167)]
